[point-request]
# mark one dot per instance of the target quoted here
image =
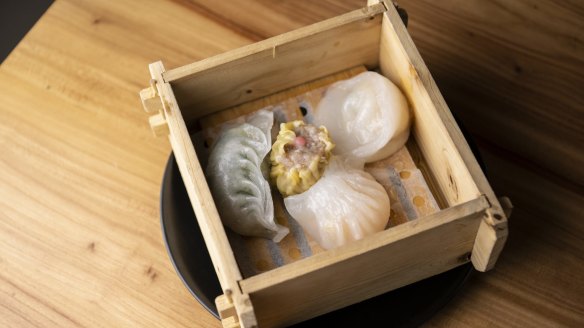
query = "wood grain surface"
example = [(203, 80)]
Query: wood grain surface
[(80, 240)]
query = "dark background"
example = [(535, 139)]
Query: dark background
[(17, 17)]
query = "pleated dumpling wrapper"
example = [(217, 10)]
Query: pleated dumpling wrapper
[(299, 156), (240, 190), (367, 116), (345, 205)]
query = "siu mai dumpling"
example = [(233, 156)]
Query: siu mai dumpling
[(345, 205), (367, 116), (299, 156), (240, 190)]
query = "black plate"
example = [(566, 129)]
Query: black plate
[(408, 306)]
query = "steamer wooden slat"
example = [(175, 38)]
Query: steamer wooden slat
[(208, 219), (399, 63), (259, 69), (305, 289), (451, 160)]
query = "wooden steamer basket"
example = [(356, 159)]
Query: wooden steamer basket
[(471, 225)]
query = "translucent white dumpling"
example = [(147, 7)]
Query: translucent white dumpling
[(367, 116), (239, 188), (346, 204)]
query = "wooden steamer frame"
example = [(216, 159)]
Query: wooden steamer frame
[(472, 226)]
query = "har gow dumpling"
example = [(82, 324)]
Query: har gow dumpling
[(239, 188), (345, 205), (367, 116)]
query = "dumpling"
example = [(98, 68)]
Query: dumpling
[(367, 116), (240, 190), (346, 204), (299, 156)]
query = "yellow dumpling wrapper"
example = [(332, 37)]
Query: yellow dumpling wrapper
[(299, 156)]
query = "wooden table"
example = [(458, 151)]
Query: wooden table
[(80, 241)]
